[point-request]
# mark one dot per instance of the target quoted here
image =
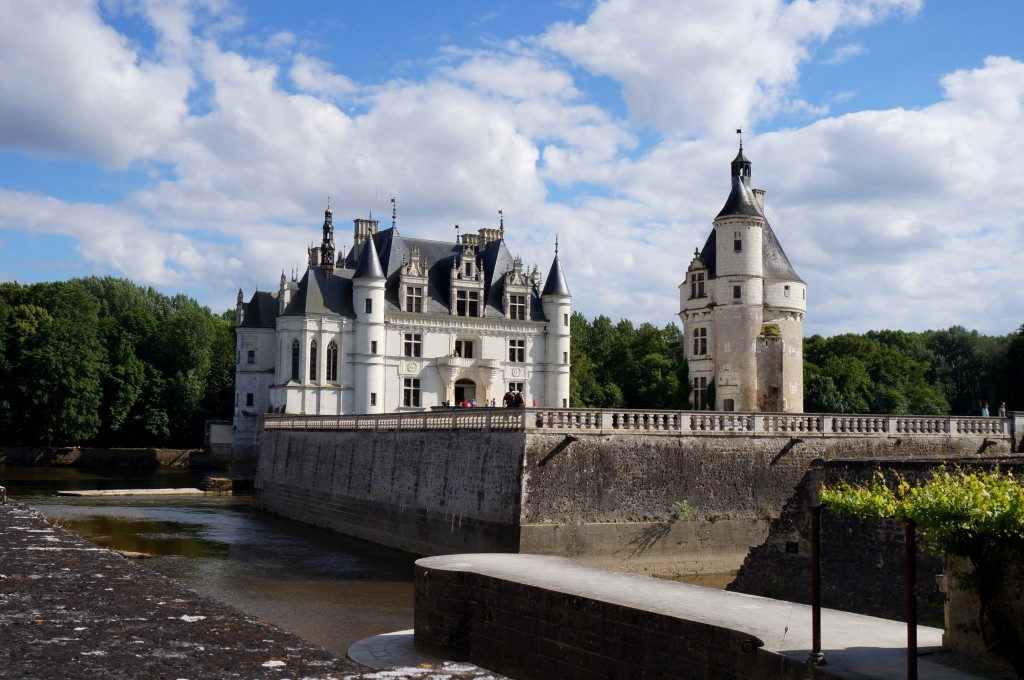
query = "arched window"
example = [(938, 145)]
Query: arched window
[(332, 361), (295, 360), (312, 360)]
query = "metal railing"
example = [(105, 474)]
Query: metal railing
[(628, 420)]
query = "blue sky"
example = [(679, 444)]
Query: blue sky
[(193, 145)]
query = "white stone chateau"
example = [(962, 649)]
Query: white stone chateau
[(402, 324), (742, 308)]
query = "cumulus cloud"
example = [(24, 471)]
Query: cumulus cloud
[(685, 67), (71, 86), (895, 218)]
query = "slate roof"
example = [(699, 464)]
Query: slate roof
[(260, 311), (741, 202), (393, 250), (318, 294), (555, 283)]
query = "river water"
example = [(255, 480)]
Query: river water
[(325, 587)]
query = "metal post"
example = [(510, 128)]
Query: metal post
[(910, 527), (816, 657)]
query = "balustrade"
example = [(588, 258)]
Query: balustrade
[(626, 421)]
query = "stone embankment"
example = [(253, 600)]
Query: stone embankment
[(69, 609)]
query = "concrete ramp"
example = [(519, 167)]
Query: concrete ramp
[(543, 616)]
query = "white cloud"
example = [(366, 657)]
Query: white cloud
[(70, 86), (315, 77), (707, 66)]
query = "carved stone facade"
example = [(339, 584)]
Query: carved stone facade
[(402, 324)]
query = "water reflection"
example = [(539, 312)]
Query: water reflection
[(328, 588)]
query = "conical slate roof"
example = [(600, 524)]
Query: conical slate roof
[(369, 264), (555, 283)]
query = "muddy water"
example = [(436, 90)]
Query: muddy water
[(320, 585)]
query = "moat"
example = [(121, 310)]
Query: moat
[(327, 588)]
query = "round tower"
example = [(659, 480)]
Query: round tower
[(557, 303), (739, 283), (368, 355)]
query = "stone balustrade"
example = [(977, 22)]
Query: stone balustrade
[(620, 421)]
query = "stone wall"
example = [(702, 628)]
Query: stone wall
[(862, 561), (554, 618), (610, 500), (424, 492), (99, 457)]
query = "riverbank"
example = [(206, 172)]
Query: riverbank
[(71, 609), (79, 456)]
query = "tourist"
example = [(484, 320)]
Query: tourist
[(1002, 410), (508, 400), (518, 400), (984, 409)]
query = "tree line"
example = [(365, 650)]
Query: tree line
[(101, 361), (946, 372)]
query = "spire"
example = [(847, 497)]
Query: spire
[(368, 266), (327, 245), (741, 199), (394, 214), (501, 224), (740, 164), (555, 283)]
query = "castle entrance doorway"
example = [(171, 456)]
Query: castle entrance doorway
[(465, 391)]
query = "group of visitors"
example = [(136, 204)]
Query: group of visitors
[(1002, 409)]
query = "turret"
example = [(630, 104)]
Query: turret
[(327, 245), (557, 303), (239, 309), (368, 357)]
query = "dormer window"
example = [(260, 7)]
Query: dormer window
[(517, 307), (414, 298), (467, 303)]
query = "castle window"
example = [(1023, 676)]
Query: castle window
[(411, 392), (373, 346), (469, 269), (250, 356), (413, 299), (369, 305), (700, 393), (464, 348), (412, 345), (467, 303), (737, 245), (785, 291), (697, 285), (565, 319), (332, 361), (737, 292), (517, 351), (312, 360), (700, 341), (516, 387), (728, 405), (295, 360), (565, 357), (517, 307), (250, 399), (373, 398)]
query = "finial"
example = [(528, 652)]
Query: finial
[(328, 204), (556, 245), (394, 212), (283, 279), (457, 240), (739, 131)]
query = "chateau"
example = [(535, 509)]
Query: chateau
[(742, 308), (402, 324)]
